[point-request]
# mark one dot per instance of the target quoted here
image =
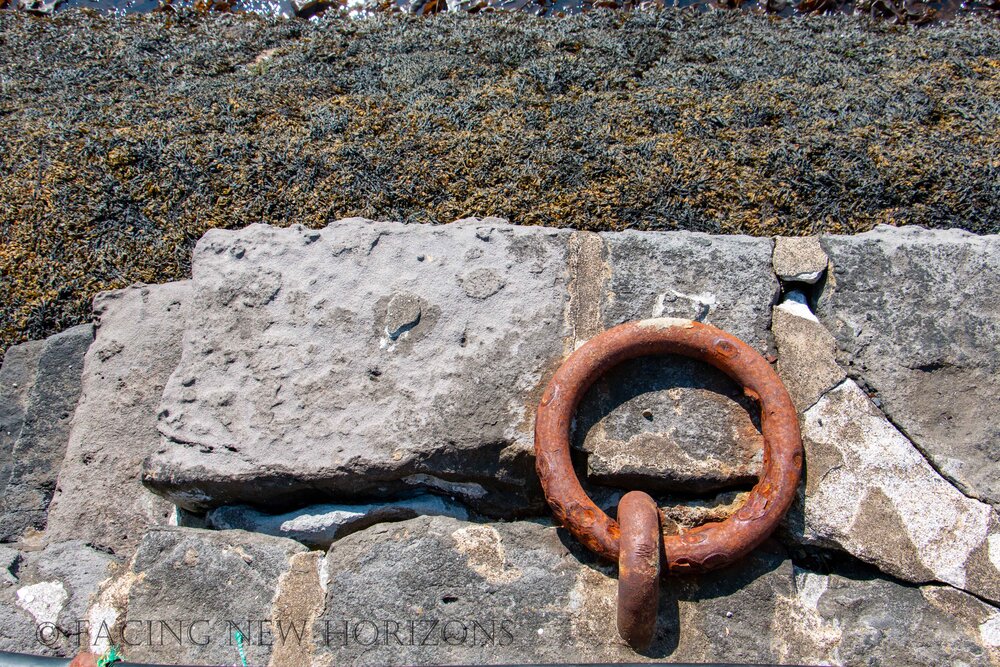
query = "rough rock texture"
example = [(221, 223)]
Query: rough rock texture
[(136, 348), (198, 588), (318, 526), (37, 452), (17, 376), (671, 423), (513, 592), (799, 259), (807, 363), (915, 317), (43, 606), (428, 374), (870, 492), (299, 376)]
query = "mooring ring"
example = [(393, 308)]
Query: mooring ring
[(638, 569), (705, 547)]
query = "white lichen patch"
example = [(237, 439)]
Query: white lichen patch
[(43, 600), (483, 549)]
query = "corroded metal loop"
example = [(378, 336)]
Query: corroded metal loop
[(705, 547), (638, 569)]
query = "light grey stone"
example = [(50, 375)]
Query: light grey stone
[(869, 492), (916, 320), (100, 497), (38, 451), (206, 585), (307, 376), (725, 281), (799, 259), (318, 526), (671, 423), (807, 362), (522, 592)]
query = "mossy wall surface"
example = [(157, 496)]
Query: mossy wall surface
[(124, 139)]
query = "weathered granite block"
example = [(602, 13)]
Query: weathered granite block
[(360, 360), (187, 591), (869, 491), (916, 319), (38, 450), (100, 497), (442, 591)]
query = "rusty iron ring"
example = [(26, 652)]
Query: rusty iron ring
[(705, 547)]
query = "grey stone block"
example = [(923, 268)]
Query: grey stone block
[(100, 497), (38, 451), (916, 320)]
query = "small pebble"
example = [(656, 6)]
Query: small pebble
[(648, 414)]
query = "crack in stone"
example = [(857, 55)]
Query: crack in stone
[(913, 443)]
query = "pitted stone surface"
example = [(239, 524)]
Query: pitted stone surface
[(37, 452), (370, 358), (869, 492), (136, 347), (341, 363), (915, 316)]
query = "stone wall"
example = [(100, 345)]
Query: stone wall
[(324, 439)]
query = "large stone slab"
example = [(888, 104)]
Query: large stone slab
[(185, 594), (442, 591), (100, 497), (373, 359), (870, 492), (915, 316), (360, 360), (38, 450), (673, 423)]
